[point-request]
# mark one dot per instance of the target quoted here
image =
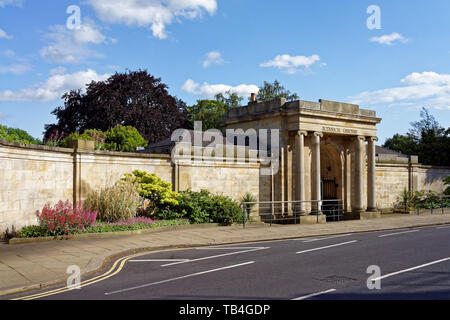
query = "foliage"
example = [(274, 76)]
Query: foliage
[(133, 98), (245, 199), (119, 202), (401, 143), (274, 90), (225, 210), (17, 135), (89, 135), (421, 200), (196, 206), (163, 201), (101, 227), (54, 138), (205, 207), (124, 138), (139, 223), (447, 183), (426, 138), (63, 219), (210, 112), (406, 199), (231, 99), (33, 232)]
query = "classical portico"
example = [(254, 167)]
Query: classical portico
[(327, 151)]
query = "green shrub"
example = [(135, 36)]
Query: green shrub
[(225, 210), (17, 135), (196, 206), (163, 202), (124, 138), (119, 202), (33, 232), (447, 183)]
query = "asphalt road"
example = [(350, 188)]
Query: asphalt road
[(414, 264)]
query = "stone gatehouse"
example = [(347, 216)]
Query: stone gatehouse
[(327, 151)]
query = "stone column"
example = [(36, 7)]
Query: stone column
[(300, 181), (316, 192), (371, 175), (357, 206)]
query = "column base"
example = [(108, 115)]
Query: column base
[(362, 215), (311, 219)]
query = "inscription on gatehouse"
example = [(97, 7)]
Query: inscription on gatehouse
[(339, 130)]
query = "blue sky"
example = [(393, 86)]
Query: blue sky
[(319, 49)]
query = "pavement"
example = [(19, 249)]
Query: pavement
[(34, 266)]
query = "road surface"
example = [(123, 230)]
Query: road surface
[(413, 264)]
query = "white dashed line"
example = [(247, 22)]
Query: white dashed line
[(314, 294), (396, 233), (179, 278), (213, 257), (326, 247), (410, 269)]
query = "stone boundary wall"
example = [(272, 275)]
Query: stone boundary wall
[(32, 175), (392, 177)]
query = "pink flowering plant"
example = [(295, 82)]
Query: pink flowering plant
[(63, 219)]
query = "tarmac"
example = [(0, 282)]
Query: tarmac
[(32, 266)]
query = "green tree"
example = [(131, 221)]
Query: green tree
[(426, 138), (274, 90), (211, 112), (427, 124), (17, 135), (401, 143)]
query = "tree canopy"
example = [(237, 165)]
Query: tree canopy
[(426, 138), (275, 90), (211, 112), (17, 135), (133, 98)]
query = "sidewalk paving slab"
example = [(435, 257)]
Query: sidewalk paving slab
[(32, 266)]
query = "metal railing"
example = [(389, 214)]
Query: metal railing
[(291, 212), (434, 204)]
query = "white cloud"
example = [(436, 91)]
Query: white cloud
[(4, 35), (17, 3), (389, 39), (15, 68), (72, 46), (429, 89), (213, 57), (59, 70), (291, 64), (155, 14), (210, 90), (54, 87)]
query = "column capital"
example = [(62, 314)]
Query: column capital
[(302, 133), (318, 134), (363, 138), (372, 138)]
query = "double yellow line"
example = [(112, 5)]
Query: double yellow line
[(110, 273)]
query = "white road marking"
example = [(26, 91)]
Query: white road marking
[(179, 278), (393, 234), (411, 269), (314, 294), (157, 260), (215, 256), (326, 247), (229, 248), (332, 237), (443, 227)]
